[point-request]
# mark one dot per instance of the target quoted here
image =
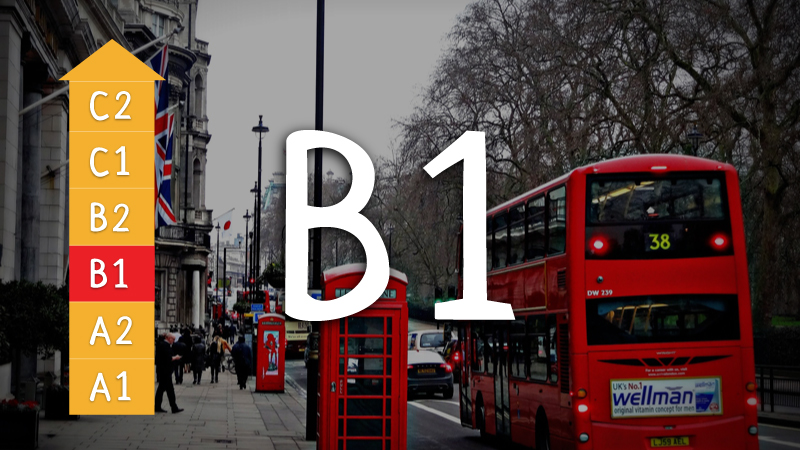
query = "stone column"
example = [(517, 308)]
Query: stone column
[(53, 199), (10, 84), (197, 313), (31, 181)]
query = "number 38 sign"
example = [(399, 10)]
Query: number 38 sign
[(112, 212)]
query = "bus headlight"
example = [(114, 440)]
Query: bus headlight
[(585, 437), (753, 430)]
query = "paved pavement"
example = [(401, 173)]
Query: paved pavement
[(216, 416)]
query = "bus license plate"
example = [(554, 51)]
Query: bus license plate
[(674, 441), (426, 371)]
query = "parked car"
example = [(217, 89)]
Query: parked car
[(432, 340), (428, 373), (453, 355)]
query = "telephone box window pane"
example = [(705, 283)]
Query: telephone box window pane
[(388, 407), (364, 407), (388, 346), (388, 386), (341, 444), (365, 386), (341, 366), (341, 346), (365, 366), (341, 406), (388, 444), (341, 427), (365, 325), (364, 427), (388, 427), (363, 444), (341, 326), (365, 346), (389, 325), (388, 366)]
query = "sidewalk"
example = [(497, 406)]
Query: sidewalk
[(215, 416), (783, 416)]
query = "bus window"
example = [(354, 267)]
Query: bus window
[(662, 318), (534, 234), (557, 220), (489, 234), (551, 320), (517, 343), (538, 358), (500, 247), (490, 354), (478, 349), (516, 233)]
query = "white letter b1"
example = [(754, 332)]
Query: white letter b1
[(345, 215)]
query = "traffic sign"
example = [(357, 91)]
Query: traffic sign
[(257, 307)]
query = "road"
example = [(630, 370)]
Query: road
[(434, 422)]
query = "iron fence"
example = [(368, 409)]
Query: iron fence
[(778, 386)]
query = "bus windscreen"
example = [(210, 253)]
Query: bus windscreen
[(635, 216), (662, 318)]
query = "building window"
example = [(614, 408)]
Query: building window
[(159, 23)]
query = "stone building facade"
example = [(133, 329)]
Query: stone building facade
[(42, 40)]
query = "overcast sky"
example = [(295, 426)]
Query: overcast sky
[(378, 57)]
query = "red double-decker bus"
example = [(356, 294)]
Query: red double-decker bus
[(629, 285)]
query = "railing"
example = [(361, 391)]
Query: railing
[(778, 386), (202, 46), (184, 234)]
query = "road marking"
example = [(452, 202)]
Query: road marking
[(768, 425), (773, 440), (453, 419)]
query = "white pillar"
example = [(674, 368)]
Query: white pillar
[(196, 313)]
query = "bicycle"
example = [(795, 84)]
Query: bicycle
[(228, 364)]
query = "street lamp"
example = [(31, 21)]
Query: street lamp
[(391, 229), (259, 130), (254, 191), (694, 136), (246, 218), (216, 258)]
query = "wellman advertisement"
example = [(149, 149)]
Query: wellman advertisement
[(672, 397)]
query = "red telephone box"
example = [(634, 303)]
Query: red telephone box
[(271, 347), (363, 360)]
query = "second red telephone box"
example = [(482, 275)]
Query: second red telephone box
[(362, 367), (271, 347)]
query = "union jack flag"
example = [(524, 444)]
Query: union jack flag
[(164, 129)]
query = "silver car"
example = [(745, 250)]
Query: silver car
[(429, 373)]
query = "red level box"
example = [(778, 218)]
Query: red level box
[(112, 273)]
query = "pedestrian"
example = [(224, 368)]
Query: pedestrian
[(198, 359), (242, 357), (232, 333), (164, 362), (179, 349), (217, 351), (186, 338)]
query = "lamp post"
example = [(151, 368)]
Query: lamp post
[(216, 262), (246, 218), (316, 271), (260, 130), (254, 191), (694, 136), (391, 230)]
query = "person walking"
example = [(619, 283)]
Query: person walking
[(217, 351), (164, 362), (178, 349), (198, 359), (186, 338), (242, 358), (232, 332)]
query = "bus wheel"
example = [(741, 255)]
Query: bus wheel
[(542, 432), (481, 419)]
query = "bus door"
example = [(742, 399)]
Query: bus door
[(502, 410), (464, 391)]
